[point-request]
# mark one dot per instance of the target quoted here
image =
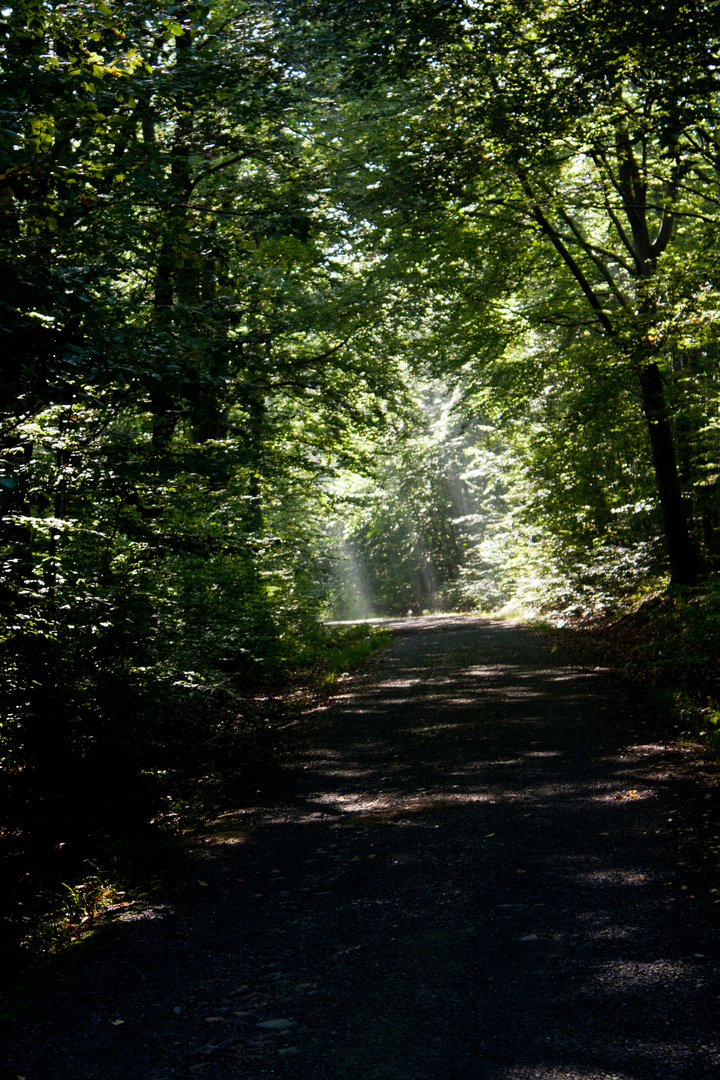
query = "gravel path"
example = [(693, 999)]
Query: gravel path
[(483, 861)]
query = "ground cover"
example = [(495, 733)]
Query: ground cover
[(671, 642)]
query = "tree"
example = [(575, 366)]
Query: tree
[(562, 130), (191, 350), (406, 525)]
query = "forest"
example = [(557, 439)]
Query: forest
[(323, 310)]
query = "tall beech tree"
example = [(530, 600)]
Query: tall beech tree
[(565, 125)]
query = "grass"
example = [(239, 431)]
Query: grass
[(349, 648)]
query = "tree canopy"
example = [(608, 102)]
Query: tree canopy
[(336, 308)]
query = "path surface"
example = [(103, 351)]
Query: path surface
[(484, 861)]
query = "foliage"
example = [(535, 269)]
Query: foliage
[(344, 649), (400, 546), (424, 291), (189, 353), (670, 639), (157, 765), (458, 514), (553, 179), (73, 913), (682, 640)]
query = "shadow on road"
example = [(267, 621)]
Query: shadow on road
[(484, 861)]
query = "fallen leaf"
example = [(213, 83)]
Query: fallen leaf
[(603, 834), (203, 883), (521, 871), (355, 858), (116, 1022), (239, 878), (371, 856), (489, 834)]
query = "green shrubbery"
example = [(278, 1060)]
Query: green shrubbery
[(671, 640), (681, 645), (151, 637)]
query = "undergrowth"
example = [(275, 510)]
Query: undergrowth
[(77, 853), (348, 647), (673, 641)]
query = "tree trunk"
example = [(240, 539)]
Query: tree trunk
[(173, 279), (254, 517), (683, 561), (209, 408)]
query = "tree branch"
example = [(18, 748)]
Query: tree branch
[(633, 191), (594, 254), (602, 165), (569, 261)]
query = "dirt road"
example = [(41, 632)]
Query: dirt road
[(483, 862)]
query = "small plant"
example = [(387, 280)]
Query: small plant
[(72, 913), (702, 720)]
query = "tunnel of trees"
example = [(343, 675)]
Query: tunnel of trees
[(334, 308)]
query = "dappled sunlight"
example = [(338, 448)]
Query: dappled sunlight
[(613, 933), (479, 779), (549, 1072), (354, 803), (398, 684), (142, 914), (446, 816), (617, 877), (363, 803), (347, 774), (468, 687), (650, 748), (515, 693), (619, 976), (625, 796), (435, 729), (385, 788)]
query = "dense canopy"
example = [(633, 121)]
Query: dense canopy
[(336, 308)]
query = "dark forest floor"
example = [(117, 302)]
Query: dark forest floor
[(486, 859)]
